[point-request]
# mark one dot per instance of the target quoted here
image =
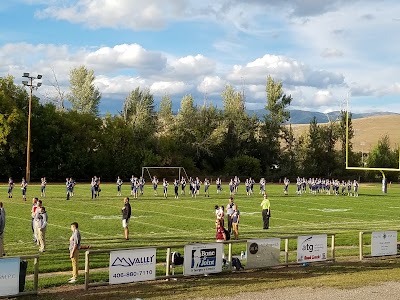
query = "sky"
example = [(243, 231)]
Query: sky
[(324, 52)]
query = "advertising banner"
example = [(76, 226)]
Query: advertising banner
[(263, 253), (312, 248), (9, 276), (132, 265), (384, 243), (203, 259)]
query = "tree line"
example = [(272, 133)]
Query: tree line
[(208, 141)]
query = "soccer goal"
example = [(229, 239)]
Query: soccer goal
[(169, 173)]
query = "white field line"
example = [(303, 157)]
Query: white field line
[(84, 213), (59, 226), (361, 200), (242, 225), (211, 220), (342, 217)]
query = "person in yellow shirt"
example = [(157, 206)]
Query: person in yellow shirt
[(266, 211)]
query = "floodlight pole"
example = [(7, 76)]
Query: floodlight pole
[(31, 86), (347, 132), (28, 144)]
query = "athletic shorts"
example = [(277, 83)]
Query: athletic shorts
[(125, 223)]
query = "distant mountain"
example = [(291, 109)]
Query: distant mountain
[(304, 116)]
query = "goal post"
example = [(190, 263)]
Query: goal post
[(380, 169), (165, 172)]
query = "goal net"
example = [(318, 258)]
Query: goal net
[(169, 173)]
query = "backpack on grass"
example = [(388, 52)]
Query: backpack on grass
[(227, 234), (176, 258), (237, 264)]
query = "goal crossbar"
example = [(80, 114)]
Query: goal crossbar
[(181, 171)]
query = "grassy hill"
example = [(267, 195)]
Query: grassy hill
[(368, 131)]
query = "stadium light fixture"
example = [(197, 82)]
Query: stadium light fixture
[(32, 84)]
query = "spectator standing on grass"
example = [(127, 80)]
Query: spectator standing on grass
[(10, 187), (235, 222), (74, 246), (2, 227), (126, 215), (40, 227), (221, 215), (35, 205), (266, 211), (220, 233), (24, 186), (229, 212)]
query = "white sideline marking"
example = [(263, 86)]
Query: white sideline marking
[(330, 209), (250, 213), (114, 217), (59, 226)]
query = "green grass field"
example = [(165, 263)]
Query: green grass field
[(159, 221)]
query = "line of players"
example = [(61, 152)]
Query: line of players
[(137, 186), (322, 185), (24, 187), (314, 185)]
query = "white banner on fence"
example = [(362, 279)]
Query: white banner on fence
[(384, 243), (203, 259), (312, 248), (132, 265), (9, 276), (263, 253)]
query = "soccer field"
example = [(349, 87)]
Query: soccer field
[(159, 221)]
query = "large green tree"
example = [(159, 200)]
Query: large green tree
[(277, 115), (84, 96), (138, 112)]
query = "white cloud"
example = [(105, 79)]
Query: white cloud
[(119, 84), (211, 85), (133, 14), (323, 98), (126, 56), (161, 88), (331, 52), (190, 66), (289, 71)]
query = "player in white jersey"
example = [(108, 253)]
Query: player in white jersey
[(286, 183), (119, 185), (165, 188), (355, 188), (218, 182), (176, 188), (183, 185), (206, 187), (155, 184)]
